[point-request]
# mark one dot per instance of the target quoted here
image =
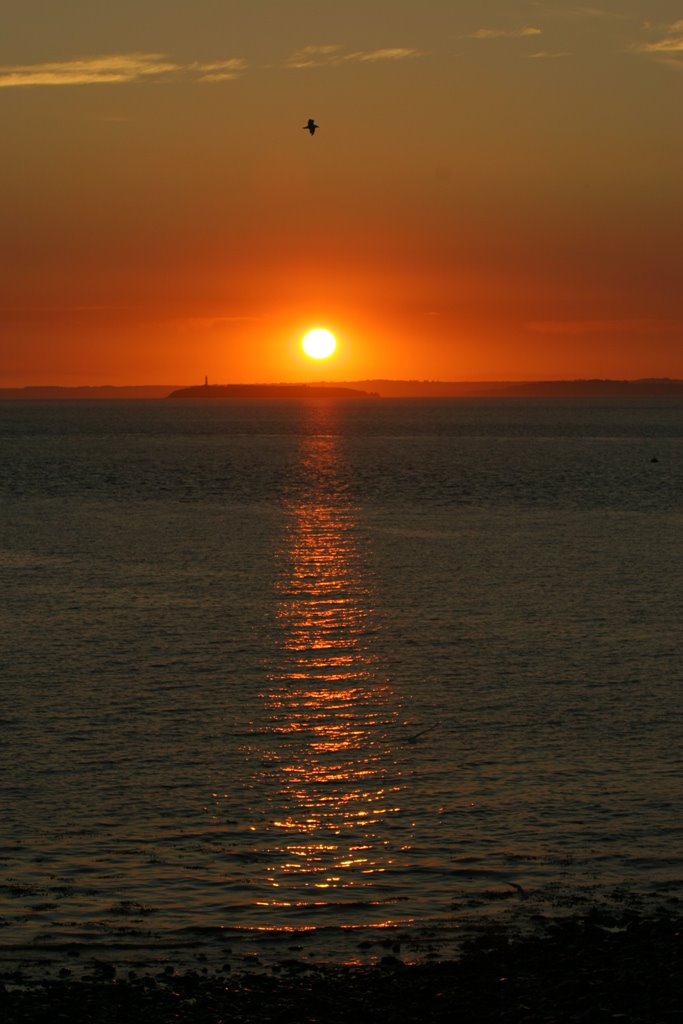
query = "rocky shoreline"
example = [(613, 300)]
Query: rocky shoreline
[(593, 967)]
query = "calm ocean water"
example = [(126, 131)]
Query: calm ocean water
[(313, 679)]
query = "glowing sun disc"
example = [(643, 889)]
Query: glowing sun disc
[(319, 343)]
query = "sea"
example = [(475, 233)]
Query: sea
[(328, 680)]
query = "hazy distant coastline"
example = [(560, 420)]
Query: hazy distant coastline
[(98, 392), (648, 387), (217, 391), (525, 389)]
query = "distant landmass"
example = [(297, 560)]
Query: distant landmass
[(597, 388), (208, 391), (97, 392)]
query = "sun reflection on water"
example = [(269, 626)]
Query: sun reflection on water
[(333, 780)]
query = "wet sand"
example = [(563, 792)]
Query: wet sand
[(594, 967)]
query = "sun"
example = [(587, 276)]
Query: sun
[(319, 343)]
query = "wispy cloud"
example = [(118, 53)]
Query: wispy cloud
[(667, 45), (122, 67), (332, 54), (626, 326), (314, 56), (388, 53), (112, 69), (220, 71), (548, 54), (118, 68), (506, 33)]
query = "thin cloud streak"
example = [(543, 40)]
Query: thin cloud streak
[(506, 33), (220, 71), (388, 53), (332, 55), (548, 54), (670, 43), (315, 56), (114, 69), (87, 70)]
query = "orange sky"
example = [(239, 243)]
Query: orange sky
[(493, 193)]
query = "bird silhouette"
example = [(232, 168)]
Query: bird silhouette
[(415, 737), (310, 126)]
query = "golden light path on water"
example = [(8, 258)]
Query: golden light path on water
[(334, 779)]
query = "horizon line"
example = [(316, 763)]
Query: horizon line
[(360, 380)]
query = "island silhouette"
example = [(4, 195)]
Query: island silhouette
[(209, 391)]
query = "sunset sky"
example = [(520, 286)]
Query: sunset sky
[(494, 192)]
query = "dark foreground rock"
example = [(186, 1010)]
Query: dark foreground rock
[(592, 969)]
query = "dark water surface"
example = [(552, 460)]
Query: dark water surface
[(225, 626)]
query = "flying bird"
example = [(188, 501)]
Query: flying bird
[(311, 126), (523, 894), (415, 737)]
